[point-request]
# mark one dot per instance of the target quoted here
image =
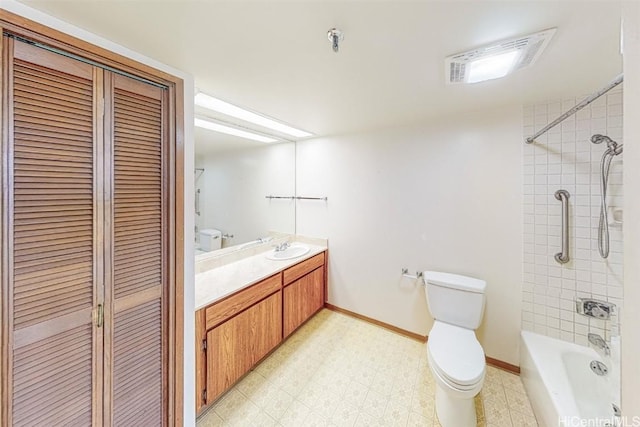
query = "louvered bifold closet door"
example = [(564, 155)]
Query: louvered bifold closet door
[(51, 225), (139, 230)]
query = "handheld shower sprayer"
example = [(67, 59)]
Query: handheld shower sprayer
[(597, 139), (613, 149), (612, 146)]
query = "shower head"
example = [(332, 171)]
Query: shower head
[(612, 146), (598, 139)]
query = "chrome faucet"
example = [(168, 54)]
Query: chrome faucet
[(282, 247), (600, 344)]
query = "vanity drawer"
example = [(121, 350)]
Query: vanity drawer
[(227, 308), (297, 271)]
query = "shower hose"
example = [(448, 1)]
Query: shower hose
[(603, 225)]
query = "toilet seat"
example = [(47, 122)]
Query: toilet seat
[(456, 355)]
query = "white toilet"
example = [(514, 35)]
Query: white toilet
[(210, 239), (455, 356)]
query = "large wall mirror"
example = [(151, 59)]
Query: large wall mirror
[(233, 178)]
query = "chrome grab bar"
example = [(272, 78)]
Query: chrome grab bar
[(198, 202), (563, 257)]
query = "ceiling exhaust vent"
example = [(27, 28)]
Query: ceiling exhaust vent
[(496, 60)]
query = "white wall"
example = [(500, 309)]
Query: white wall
[(445, 196), (189, 302), (631, 314), (565, 158), (233, 187)]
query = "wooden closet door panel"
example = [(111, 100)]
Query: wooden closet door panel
[(52, 226), (139, 230), (137, 374)]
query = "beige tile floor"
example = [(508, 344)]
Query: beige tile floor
[(341, 371)]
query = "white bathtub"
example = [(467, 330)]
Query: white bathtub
[(561, 386)]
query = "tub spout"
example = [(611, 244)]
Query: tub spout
[(599, 343)]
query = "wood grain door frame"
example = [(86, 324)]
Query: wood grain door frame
[(23, 27), (6, 239)]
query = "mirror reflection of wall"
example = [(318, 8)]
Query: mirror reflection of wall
[(234, 176)]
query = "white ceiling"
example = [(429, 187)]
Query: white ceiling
[(274, 56)]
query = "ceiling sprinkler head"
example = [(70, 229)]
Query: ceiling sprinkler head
[(335, 36)]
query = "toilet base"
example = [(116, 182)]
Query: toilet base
[(454, 412)]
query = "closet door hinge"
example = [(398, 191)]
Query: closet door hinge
[(204, 345), (204, 396), (99, 316)]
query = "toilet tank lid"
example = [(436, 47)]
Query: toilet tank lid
[(455, 281), (210, 232)]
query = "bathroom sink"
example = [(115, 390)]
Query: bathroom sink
[(293, 251)]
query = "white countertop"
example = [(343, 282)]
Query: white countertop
[(219, 282)]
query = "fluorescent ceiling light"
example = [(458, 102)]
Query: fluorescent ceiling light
[(211, 103), (492, 67), (216, 127)]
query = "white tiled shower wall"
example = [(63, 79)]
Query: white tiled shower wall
[(565, 158)]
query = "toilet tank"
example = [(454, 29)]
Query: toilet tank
[(454, 299), (210, 239)]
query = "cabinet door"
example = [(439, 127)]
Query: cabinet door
[(236, 345), (137, 227), (228, 354), (87, 231), (265, 331), (201, 360), (49, 250), (302, 299)]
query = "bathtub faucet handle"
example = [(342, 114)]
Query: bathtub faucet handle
[(595, 308), (599, 342)]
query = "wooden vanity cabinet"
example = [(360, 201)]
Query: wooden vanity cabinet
[(234, 334), (236, 345)]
